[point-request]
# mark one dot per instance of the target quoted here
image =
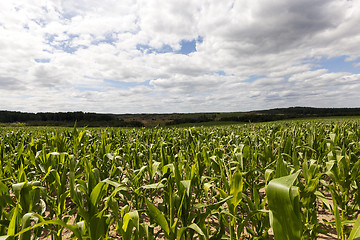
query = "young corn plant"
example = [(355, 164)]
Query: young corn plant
[(284, 205)]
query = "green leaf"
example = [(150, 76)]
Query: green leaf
[(3, 189), (6, 237), (98, 226), (14, 221), (337, 216), (154, 169), (134, 217), (193, 226), (187, 186), (283, 199), (81, 226), (95, 195), (207, 186), (153, 186), (214, 205), (323, 199), (17, 188), (355, 232), (332, 136), (236, 187), (268, 174), (26, 222), (112, 183), (196, 228), (73, 229), (281, 168), (159, 218), (144, 232)]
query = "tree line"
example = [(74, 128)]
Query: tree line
[(96, 119), (271, 115), (66, 119)]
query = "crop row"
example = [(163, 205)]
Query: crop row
[(181, 183)]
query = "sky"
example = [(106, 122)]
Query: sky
[(152, 56)]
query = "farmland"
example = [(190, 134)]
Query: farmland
[(216, 182)]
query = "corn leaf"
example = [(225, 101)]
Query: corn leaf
[(73, 229), (192, 226), (95, 195), (337, 215), (14, 221), (159, 218), (236, 187), (187, 186), (355, 232), (284, 208), (134, 217), (6, 237)]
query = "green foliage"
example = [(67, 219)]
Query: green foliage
[(181, 183), (285, 217)]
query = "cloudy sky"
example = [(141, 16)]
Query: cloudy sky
[(153, 56)]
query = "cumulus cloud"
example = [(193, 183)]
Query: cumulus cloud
[(10, 83), (62, 55)]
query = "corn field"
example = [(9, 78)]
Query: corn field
[(251, 181)]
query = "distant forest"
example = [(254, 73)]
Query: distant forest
[(292, 112), (66, 119), (140, 120), (268, 115)]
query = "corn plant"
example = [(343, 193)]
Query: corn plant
[(224, 182)]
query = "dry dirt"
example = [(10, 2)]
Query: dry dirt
[(324, 215)]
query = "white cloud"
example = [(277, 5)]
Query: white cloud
[(250, 55)]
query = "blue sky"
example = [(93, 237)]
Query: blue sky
[(186, 47), (339, 64), (151, 56)]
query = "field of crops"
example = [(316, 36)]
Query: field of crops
[(291, 180)]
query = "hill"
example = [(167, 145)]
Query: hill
[(251, 116), (140, 120)]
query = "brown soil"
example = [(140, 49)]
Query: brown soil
[(324, 216)]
